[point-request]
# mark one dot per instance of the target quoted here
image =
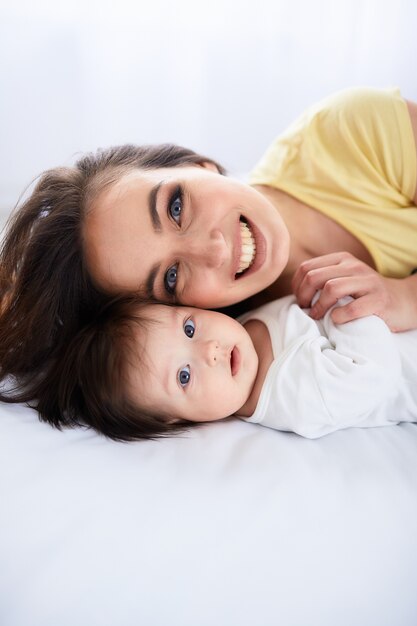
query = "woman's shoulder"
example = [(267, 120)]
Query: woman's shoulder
[(320, 119), (346, 114), (333, 132), (357, 97)]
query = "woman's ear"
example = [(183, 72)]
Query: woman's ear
[(173, 420), (209, 166)]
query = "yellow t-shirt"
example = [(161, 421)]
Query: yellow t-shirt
[(352, 156)]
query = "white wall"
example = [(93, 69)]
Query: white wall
[(222, 77)]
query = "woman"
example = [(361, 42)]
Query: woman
[(331, 206)]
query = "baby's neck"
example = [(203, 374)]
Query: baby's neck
[(262, 342)]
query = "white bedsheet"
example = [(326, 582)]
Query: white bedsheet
[(230, 525)]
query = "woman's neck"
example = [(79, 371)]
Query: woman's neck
[(312, 234)]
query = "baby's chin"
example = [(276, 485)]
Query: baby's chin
[(202, 419)]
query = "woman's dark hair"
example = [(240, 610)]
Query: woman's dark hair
[(92, 387), (46, 292)]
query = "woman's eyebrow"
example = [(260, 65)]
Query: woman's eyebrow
[(150, 281), (152, 206)]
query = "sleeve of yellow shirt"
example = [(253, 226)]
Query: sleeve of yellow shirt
[(356, 145)]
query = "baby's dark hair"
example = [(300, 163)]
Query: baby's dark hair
[(91, 387), (46, 292)]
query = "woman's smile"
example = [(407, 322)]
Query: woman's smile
[(253, 249), (245, 249)]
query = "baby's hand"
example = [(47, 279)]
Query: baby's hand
[(341, 274)]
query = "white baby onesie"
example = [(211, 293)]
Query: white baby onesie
[(325, 377)]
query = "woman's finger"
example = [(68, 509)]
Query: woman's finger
[(304, 268), (337, 288), (333, 259), (361, 307), (318, 279)]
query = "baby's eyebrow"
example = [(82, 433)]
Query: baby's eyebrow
[(167, 366), (166, 379), (175, 317)]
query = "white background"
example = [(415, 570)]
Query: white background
[(222, 77)]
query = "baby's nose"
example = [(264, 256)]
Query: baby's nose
[(211, 352)]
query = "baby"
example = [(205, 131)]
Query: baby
[(152, 369)]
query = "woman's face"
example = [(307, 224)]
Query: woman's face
[(185, 234)]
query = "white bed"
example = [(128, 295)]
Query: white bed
[(231, 525)]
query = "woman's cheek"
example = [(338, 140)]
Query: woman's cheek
[(203, 294)]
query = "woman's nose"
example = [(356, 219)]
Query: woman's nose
[(210, 250)]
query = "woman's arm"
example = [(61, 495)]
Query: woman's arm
[(341, 274), (412, 110)]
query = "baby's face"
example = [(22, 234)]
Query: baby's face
[(197, 365)]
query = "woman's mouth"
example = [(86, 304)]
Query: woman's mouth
[(251, 246), (248, 247)]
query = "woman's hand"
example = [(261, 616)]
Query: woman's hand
[(341, 274)]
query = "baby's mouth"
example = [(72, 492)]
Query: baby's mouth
[(248, 248), (235, 361)]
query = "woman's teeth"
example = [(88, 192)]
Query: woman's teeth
[(248, 248)]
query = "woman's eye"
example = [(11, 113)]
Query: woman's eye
[(184, 376), (175, 206), (189, 328), (170, 279)]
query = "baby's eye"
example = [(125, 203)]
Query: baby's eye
[(170, 279), (189, 328), (184, 376), (175, 205)]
